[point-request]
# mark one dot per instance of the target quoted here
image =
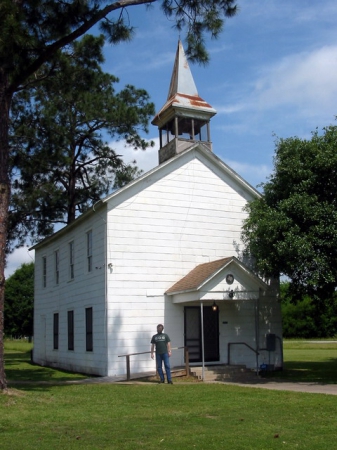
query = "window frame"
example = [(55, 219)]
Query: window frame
[(89, 335), (56, 331), (71, 330), (44, 271), (57, 266), (89, 250), (71, 260)]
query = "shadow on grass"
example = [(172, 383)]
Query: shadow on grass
[(21, 372), (19, 368), (324, 372)]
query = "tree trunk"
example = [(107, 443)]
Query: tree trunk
[(5, 98)]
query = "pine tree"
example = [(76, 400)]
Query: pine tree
[(60, 163)]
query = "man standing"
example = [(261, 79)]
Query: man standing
[(163, 352)]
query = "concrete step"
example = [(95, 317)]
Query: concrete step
[(225, 373)]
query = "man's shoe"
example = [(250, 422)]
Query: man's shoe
[(170, 382), (161, 381)]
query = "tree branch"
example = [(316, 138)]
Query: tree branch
[(51, 49)]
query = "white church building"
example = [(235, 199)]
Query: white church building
[(163, 249)]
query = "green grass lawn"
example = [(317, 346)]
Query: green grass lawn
[(149, 416), (19, 367), (309, 361)]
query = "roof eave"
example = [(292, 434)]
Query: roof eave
[(199, 110), (98, 205)]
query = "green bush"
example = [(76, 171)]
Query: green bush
[(19, 302), (300, 319)]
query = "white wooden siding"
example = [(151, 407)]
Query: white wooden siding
[(190, 215), (87, 289)]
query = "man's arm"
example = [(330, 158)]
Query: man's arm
[(152, 351), (169, 348)]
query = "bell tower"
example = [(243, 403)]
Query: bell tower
[(185, 117)]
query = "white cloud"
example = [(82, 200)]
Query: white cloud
[(145, 159), (305, 80), (17, 258), (230, 109), (288, 14), (303, 84), (311, 13)]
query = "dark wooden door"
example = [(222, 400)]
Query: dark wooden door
[(193, 333)]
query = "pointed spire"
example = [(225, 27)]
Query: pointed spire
[(183, 94), (182, 80)]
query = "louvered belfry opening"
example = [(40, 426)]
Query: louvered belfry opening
[(185, 118)]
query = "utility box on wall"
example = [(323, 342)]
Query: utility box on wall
[(271, 342)]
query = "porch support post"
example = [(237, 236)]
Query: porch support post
[(257, 331), (202, 341)]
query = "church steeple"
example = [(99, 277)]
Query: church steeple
[(184, 119)]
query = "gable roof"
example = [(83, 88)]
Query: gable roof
[(198, 276), (203, 273), (196, 150)]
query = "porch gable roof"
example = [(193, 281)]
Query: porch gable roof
[(205, 272)]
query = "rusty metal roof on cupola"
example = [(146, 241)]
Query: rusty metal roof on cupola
[(183, 92)]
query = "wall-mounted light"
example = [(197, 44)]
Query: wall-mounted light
[(231, 294), (214, 306)]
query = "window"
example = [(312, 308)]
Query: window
[(70, 330), (44, 271), (57, 267), (56, 331), (71, 260), (89, 251), (88, 330)]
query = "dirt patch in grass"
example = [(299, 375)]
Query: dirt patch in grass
[(176, 380), (13, 393)]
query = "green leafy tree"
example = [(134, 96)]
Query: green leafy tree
[(33, 31), (19, 302), (298, 316), (62, 164), (292, 228)]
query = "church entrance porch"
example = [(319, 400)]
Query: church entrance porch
[(193, 333)]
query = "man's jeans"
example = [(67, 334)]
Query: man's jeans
[(159, 360)]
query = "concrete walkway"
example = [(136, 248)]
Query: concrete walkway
[(313, 388), (261, 383)]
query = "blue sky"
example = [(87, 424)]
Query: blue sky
[(273, 72)]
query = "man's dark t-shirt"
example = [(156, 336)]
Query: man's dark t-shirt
[(160, 340)]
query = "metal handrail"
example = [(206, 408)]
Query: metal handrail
[(247, 345), (128, 371)]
